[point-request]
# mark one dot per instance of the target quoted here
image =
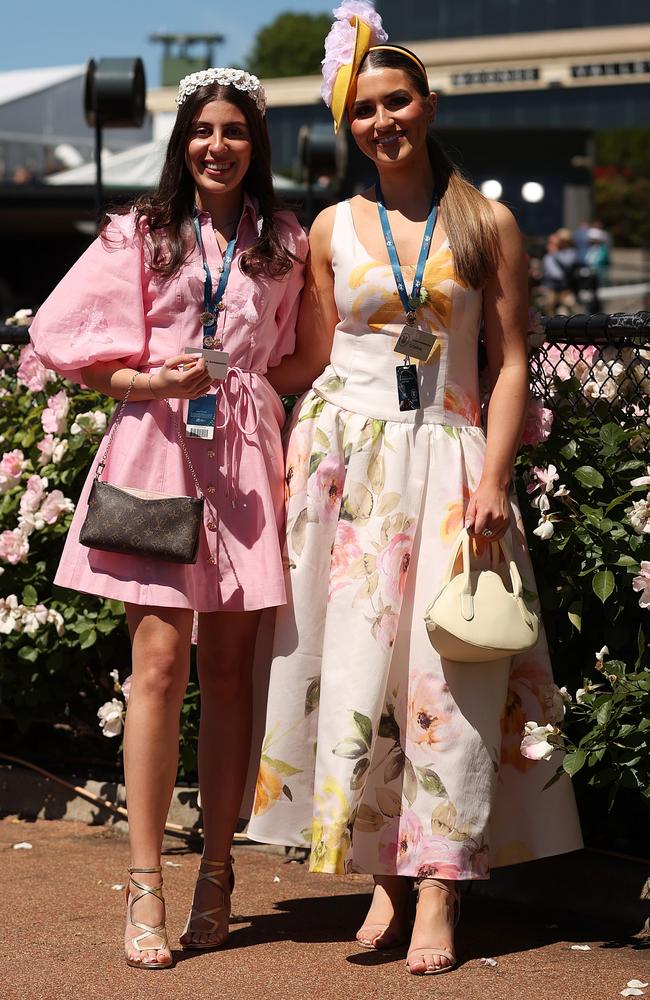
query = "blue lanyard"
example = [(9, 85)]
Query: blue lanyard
[(411, 302), (211, 305)]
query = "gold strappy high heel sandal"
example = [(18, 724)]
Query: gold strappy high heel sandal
[(147, 931), (454, 901), (221, 875)]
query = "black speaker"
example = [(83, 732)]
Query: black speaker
[(114, 93)]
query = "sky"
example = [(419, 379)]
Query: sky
[(69, 32)]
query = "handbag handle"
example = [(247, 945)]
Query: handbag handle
[(118, 417), (467, 598)]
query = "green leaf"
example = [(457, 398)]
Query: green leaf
[(28, 653), (589, 477), (430, 781), (569, 450), (281, 766), (574, 614), (88, 640), (357, 780), (574, 761), (388, 727), (603, 584), (30, 597), (312, 696), (603, 713), (364, 725), (611, 435), (350, 748), (628, 562), (315, 461)]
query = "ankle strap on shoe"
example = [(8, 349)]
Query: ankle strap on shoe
[(429, 883), (143, 871), (219, 864)]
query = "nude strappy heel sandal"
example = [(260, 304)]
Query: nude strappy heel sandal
[(147, 931), (220, 874), (428, 883), (372, 933)]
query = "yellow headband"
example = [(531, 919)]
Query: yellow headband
[(346, 78)]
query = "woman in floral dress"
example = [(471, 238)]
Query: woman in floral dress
[(378, 755)]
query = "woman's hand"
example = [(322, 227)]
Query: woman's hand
[(185, 376), (488, 509)]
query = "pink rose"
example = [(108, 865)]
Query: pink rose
[(441, 858), (31, 372), (326, 487), (32, 498), (53, 417), (539, 421), (53, 506), (126, 688), (384, 628), (12, 464), (298, 455), (52, 449), (398, 848), (345, 551), (393, 564), (428, 727), (13, 546)]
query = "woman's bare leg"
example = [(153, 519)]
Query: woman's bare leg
[(160, 639), (225, 665)]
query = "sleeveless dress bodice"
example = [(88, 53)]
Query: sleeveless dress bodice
[(361, 376)]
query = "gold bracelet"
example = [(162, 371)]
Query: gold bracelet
[(151, 389)]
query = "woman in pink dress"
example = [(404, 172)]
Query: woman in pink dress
[(124, 316)]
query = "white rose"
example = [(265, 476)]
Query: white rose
[(33, 618), (544, 529), (56, 619), (111, 717), (10, 618), (535, 744), (93, 422)]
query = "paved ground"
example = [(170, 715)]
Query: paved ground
[(60, 927)]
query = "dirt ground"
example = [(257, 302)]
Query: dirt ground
[(293, 936)]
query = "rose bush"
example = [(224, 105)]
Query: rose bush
[(584, 485), (59, 683)]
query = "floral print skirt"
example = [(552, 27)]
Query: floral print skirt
[(378, 755)]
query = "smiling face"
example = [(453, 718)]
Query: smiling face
[(219, 148), (389, 118)]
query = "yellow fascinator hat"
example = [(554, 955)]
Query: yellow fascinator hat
[(356, 31)]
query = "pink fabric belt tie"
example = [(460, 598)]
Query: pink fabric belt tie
[(235, 381), (235, 416)]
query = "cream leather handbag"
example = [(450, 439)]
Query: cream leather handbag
[(480, 614)]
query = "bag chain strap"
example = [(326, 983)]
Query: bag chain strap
[(102, 463)]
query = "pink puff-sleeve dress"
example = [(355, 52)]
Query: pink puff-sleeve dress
[(112, 306)]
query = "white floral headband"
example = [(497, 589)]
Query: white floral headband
[(238, 78)]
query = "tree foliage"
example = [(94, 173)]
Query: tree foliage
[(291, 45)]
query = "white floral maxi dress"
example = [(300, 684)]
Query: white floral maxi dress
[(377, 755)]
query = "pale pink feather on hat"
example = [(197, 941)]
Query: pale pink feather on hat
[(339, 44)]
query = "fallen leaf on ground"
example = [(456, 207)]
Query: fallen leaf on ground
[(275, 878), (580, 947), (24, 845), (631, 992), (118, 886), (636, 984), (488, 962)]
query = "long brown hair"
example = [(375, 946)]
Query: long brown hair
[(465, 213), (168, 210)]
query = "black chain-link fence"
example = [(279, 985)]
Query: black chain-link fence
[(598, 360)]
